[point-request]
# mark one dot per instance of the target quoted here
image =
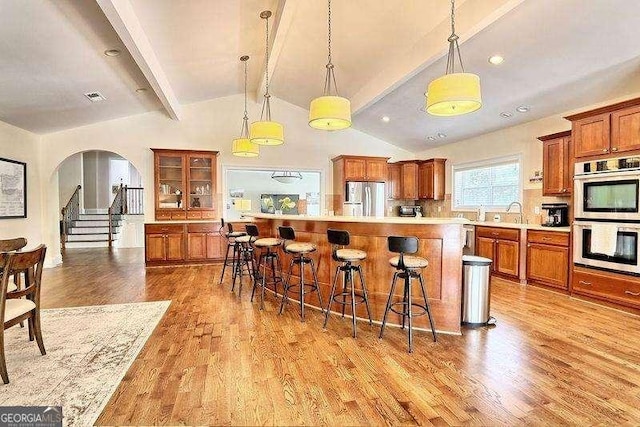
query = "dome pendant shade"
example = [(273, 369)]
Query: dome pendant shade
[(454, 94), (267, 133), (243, 147), (330, 113)]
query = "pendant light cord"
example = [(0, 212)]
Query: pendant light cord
[(244, 132), (453, 44), (265, 115), (330, 77)]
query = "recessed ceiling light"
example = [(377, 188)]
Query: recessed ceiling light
[(522, 109), (506, 114), (496, 59), (141, 90), (442, 135), (385, 119), (112, 52), (431, 138)]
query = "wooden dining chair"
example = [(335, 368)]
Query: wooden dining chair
[(21, 305), (12, 245)]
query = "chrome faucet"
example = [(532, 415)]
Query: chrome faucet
[(519, 219)]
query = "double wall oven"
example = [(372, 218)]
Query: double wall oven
[(607, 214)]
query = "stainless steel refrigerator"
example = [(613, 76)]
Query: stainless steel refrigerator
[(370, 194)]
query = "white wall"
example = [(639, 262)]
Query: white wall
[(210, 125), (21, 145)]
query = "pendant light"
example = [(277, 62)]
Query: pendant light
[(265, 131), (243, 147), (330, 111), (454, 93)]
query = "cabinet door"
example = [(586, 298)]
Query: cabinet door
[(508, 255), (197, 245), (201, 173), (548, 265), (485, 248), (170, 188), (376, 170), (214, 246), (553, 167), (354, 169), (438, 179), (425, 181), (155, 248), (409, 181), (625, 130), (175, 246), (591, 136), (393, 182)]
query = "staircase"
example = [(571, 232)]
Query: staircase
[(92, 230)]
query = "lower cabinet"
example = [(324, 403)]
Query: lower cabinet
[(502, 245), (183, 243), (548, 259), (611, 287)]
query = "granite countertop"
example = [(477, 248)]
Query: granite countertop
[(196, 221)]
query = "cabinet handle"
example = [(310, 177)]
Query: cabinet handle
[(582, 282), (604, 150), (635, 294), (614, 149), (546, 239), (529, 245), (495, 234)]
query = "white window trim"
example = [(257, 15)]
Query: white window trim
[(483, 163)]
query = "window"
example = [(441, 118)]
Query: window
[(493, 184)]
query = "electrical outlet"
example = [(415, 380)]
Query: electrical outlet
[(439, 208), (536, 210)]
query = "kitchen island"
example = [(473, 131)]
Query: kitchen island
[(441, 242)]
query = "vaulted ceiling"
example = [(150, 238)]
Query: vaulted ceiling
[(558, 56)]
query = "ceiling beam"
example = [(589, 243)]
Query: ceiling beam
[(472, 16), (281, 23), (122, 17)]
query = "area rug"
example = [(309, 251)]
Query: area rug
[(89, 350)]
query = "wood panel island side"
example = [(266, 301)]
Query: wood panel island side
[(441, 242)]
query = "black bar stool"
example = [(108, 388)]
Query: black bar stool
[(339, 239), (230, 237), (270, 259), (244, 264), (407, 267), (298, 251)]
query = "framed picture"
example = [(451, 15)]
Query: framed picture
[(13, 189), (286, 204)]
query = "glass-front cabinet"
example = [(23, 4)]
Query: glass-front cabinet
[(185, 184)]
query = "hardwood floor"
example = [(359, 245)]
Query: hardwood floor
[(217, 359)]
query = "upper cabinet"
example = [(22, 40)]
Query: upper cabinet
[(409, 180), (361, 168), (607, 130), (556, 164), (393, 181), (185, 184), (431, 179)]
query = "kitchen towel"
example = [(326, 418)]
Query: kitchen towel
[(604, 238)]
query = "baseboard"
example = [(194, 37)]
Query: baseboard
[(51, 262)]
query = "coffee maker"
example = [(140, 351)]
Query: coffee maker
[(557, 214)]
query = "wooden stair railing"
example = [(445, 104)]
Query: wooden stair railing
[(70, 213)]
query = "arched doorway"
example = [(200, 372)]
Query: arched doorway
[(100, 200)]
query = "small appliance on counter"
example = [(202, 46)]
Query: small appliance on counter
[(407, 211), (352, 209), (557, 214)]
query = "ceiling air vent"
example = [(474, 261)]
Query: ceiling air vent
[(94, 96)]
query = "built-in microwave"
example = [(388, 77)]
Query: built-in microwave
[(625, 239), (608, 189)]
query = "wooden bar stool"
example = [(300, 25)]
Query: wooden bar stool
[(407, 267), (230, 237), (268, 258), (298, 251), (350, 259)]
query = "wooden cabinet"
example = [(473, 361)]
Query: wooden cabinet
[(611, 287), (607, 130), (409, 180), (393, 183), (556, 164), (184, 243), (502, 245), (431, 175), (548, 258), (185, 184), (359, 168), (355, 168), (164, 243)]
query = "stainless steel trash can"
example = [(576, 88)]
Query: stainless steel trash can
[(476, 291)]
